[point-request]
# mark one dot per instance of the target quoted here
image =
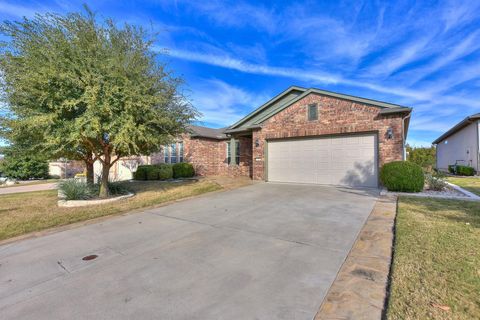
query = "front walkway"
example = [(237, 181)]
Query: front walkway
[(360, 289)]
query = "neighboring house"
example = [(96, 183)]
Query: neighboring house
[(65, 168), (460, 144), (303, 136)]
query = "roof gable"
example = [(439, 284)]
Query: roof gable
[(459, 126), (294, 94), (275, 103)]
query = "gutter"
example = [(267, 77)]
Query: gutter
[(465, 122), (405, 125), (243, 129)]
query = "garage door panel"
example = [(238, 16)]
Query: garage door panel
[(348, 160)]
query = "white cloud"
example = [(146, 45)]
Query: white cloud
[(294, 73), (399, 58), (240, 65), (222, 103)]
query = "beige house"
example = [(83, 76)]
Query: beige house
[(460, 145)]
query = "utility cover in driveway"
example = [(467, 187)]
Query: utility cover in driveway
[(342, 160)]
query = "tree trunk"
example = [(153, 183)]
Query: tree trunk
[(106, 164), (89, 165), (104, 192)]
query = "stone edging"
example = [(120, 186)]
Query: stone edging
[(360, 288), (471, 195), (84, 203), (468, 196)]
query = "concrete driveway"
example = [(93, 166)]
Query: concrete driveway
[(266, 251)]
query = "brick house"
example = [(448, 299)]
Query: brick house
[(301, 135)]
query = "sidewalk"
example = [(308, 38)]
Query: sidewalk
[(29, 188)]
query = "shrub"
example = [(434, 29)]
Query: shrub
[(435, 182), (152, 172), (461, 170), (141, 173), (162, 171), (403, 176), (183, 170), (17, 166), (465, 171), (165, 171), (76, 190), (118, 188)]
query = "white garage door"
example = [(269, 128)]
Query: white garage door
[(347, 161)]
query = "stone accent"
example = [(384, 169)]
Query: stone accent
[(335, 116), (360, 289)]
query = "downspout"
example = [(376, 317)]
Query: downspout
[(404, 135)]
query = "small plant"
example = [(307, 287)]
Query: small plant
[(436, 182), (183, 170), (76, 190), (403, 176)]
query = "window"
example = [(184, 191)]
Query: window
[(180, 152), (173, 153), (237, 152), (166, 153), (312, 112)]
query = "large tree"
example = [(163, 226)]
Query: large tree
[(423, 156), (94, 90)]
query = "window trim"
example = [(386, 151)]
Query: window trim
[(237, 153), (166, 153), (180, 151), (310, 107)]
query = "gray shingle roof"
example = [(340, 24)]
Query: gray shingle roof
[(200, 131)]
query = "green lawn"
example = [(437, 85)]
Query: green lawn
[(33, 211), (436, 262), (470, 184)]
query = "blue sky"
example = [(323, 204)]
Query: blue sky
[(235, 55)]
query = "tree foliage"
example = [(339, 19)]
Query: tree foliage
[(89, 89), (23, 166), (423, 156)]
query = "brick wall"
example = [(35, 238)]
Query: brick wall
[(335, 116), (209, 156)]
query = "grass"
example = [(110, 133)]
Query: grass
[(470, 184), (23, 213), (436, 260)]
